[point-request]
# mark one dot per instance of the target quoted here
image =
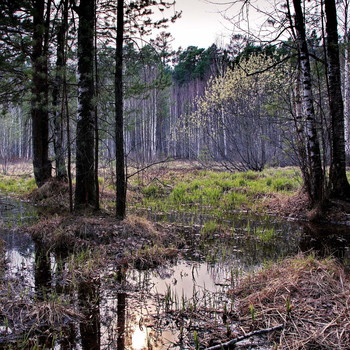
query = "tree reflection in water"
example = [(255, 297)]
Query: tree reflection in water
[(89, 302)]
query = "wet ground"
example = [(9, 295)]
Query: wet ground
[(164, 307)]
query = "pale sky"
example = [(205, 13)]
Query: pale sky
[(200, 25)]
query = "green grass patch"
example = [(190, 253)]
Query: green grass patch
[(153, 191), (265, 234), (17, 185), (218, 193), (210, 227)]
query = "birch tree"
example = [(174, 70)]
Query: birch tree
[(315, 184)]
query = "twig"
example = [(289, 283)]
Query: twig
[(161, 182), (248, 335), (150, 165)]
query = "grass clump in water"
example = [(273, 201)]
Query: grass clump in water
[(210, 227), (265, 234)]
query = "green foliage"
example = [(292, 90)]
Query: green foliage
[(251, 50), (193, 63)]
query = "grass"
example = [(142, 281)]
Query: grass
[(179, 188), (217, 192), (16, 185)]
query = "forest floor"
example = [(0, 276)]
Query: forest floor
[(306, 297)]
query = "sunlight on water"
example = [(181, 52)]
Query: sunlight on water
[(139, 337)]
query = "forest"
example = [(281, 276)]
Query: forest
[(161, 198)]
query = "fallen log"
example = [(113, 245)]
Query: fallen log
[(228, 344)]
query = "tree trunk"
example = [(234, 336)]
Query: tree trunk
[(300, 133), (339, 185), (85, 191), (57, 98), (346, 89), (316, 178), (119, 125), (39, 102)]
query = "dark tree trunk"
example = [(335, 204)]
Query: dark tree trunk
[(57, 97), (39, 102), (315, 187), (85, 191), (339, 185), (119, 125)]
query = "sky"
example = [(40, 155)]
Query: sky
[(200, 25), (202, 22)]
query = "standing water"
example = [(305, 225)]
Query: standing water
[(158, 308)]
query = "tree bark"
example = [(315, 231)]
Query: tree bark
[(316, 186), (57, 98), (339, 185), (119, 124), (85, 191), (39, 101)]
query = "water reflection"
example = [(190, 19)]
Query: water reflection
[(89, 302), (121, 320), (42, 272), (125, 310), (326, 241)]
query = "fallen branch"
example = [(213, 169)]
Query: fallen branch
[(248, 335), (166, 160)]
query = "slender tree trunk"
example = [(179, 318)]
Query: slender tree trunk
[(339, 185), (119, 124), (39, 103), (69, 151), (57, 98), (300, 133), (85, 190), (346, 89), (97, 137), (316, 186)]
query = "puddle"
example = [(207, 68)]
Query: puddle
[(19, 247), (142, 310)]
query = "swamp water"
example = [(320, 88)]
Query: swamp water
[(159, 308)]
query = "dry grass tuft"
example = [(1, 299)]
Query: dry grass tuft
[(54, 194), (27, 318), (309, 296), (141, 226), (51, 233), (139, 241), (293, 206)]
